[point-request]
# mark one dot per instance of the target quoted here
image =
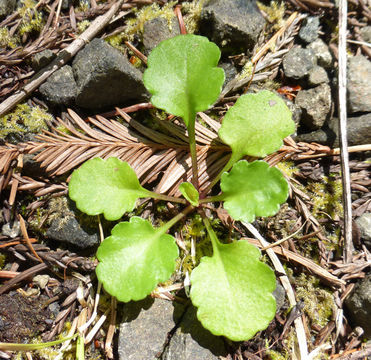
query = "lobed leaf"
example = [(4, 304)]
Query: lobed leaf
[(135, 258), (256, 124), (233, 291), (183, 76), (190, 193), (253, 189), (109, 187)]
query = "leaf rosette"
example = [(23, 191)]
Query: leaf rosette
[(109, 187), (135, 258), (256, 124), (233, 291), (253, 189), (183, 77)]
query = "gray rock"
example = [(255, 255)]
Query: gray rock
[(309, 29), (317, 76), (157, 30), (229, 71), (358, 304), (358, 132), (42, 59), (60, 88), (6, 7), (105, 77), (145, 327), (232, 24), (280, 295), (11, 229), (69, 231), (298, 62), (315, 104), (359, 84), (32, 168), (366, 34), (191, 341), (295, 109), (322, 53), (364, 226)]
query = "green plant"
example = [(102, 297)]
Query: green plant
[(233, 288)]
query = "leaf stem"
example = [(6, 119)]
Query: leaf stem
[(192, 148), (214, 240), (212, 199), (28, 347), (166, 197), (164, 228), (233, 159)]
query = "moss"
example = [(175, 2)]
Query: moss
[(24, 119), (246, 71), (135, 25), (318, 302), (275, 355), (287, 167), (32, 20), (83, 6), (82, 26), (7, 40), (192, 15), (326, 197), (2, 260), (275, 13)]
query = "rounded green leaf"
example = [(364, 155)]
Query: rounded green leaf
[(183, 76), (190, 193), (253, 189), (233, 291), (108, 186), (134, 259), (256, 124)]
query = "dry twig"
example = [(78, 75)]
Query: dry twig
[(348, 246)]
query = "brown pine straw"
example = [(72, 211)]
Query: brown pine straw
[(27, 239)]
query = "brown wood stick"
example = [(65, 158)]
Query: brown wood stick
[(22, 276), (309, 264)]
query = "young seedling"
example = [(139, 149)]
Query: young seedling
[(232, 289)]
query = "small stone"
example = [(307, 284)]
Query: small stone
[(6, 7), (295, 109), (364, 226), (157, 30), (42, 59), (315, 104), (192, 341), (309, 29), (229, 71), (280, 295), (32, 168), (70, 231), (41, 280), (359, 84), (60, 88), (359, 305), (298, 62), (105, 77), (322, 53), (358, 132), (366, 34), (317, 76), (145, 327), (11, 229), (232, 24)]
